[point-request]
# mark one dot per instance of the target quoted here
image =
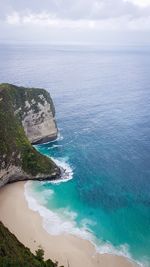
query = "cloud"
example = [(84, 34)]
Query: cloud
[(44, 19), (67, 18), (79, 9), (141, 3)]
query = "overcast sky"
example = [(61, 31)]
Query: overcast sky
[(79, 21)]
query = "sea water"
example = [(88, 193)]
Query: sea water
[(102, 101)]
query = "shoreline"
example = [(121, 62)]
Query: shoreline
[(68, 250)]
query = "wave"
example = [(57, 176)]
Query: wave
[(67, 170), (59, 138), (63, 221), (54, 146)]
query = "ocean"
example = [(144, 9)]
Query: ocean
[(102, 101)]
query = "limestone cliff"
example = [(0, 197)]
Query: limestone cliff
[(27, 116), (37, 113)]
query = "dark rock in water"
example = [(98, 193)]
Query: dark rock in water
[(27, 115), (46, 139)]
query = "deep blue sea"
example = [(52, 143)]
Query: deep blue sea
[(102, 101)]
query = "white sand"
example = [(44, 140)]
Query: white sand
[(68, 250)]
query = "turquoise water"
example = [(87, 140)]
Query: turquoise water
[(102, 99)]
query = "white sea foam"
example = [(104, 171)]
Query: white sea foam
[(55, 223), (63, 221), (44, 197), (59, 138), (67, 170), (54, 146)]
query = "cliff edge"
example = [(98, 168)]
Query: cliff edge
[(27, 115), (15, 254)]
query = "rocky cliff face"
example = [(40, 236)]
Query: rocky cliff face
[(27, 116), (37, 114)]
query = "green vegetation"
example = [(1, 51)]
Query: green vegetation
[(15, 149), (15, 254), (33, 162)]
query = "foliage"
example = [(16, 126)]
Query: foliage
[(40, 254), (15, 254), (15, 149)]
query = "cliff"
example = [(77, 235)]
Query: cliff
[(27, 116), (37, 113)]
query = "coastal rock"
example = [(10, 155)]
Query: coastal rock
[(37, 114), (27, 116)]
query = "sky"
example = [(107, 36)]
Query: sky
[(104, 22)]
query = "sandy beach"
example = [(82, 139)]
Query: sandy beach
[(68, 250)]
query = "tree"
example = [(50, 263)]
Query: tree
[(40, 254)]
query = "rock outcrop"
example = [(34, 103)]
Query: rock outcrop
[(27, 116), (37, 114)]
